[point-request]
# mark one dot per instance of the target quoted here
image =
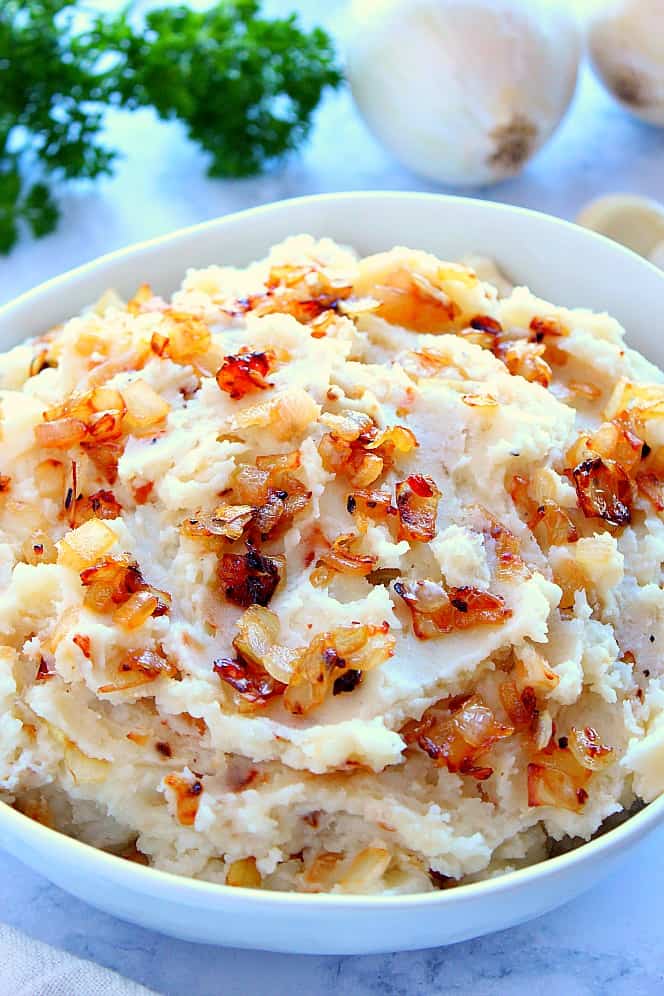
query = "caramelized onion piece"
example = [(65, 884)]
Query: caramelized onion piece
[(407, 298), (103, 504), (146, 409), (532, 671), (253, 685), (559, 774), (341, 559), (60, 434), (257, 643), (244, 874), (357, 449), (275, 495), (603, 490), (376, 505), (226, 522), (112, 582), (395, 438), (520, 706), (436, 611), (250, 578), (525, 359), (651, 487), (552, 526), (588, 749), (417, 503), (506, 545), (330, 656), (456, 734), (140, 667), (84, 545), (616, 442), (187, 793), (245, 372), (549, 786), (138, 608), (187, 339), (483, 330), (547, 325)]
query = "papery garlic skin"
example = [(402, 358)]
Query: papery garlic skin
[(462, 91), (626, 46)]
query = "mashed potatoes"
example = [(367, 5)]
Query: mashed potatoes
[(331, 574)]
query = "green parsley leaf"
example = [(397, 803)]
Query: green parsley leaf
[(244, 86)]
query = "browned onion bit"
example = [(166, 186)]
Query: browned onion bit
[(252, 683), (417, 503), (436, 611), (552, 526), (341, 559), (603, 490), (187, 795), (111, 582), (140, 667), (456, 733), (245, 372), (5, 483), (250, 578), (331, 655), (102, 505), (521, 707), (376, 505), (485, 323), (547, 325), (559, 774), (652, 487), (347, 682)]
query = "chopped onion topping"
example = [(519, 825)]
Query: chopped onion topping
[(340, 558), (253, 685), (552, 526), (244, 373), (187, 793), (652, 487), (140, 667), (417, 503), (436, 611), (456, 733), (329, 657), (112, 585), (250, 578), (603, 490), (244, 874)]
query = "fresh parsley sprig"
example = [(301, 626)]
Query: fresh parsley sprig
[(244, 86)]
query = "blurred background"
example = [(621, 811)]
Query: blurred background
[(160, 180)]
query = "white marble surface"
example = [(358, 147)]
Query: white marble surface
[(610, 941)]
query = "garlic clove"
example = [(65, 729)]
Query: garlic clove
[(462, 92), (626, 48), (635, 222)]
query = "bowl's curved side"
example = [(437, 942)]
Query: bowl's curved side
[(316, 924), (558, 260)]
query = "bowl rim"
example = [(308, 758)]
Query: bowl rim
[(166, 238), (157, 881)]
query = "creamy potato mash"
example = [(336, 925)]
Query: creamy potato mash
[(331, 574)]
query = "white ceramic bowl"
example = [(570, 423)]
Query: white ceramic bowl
[(566, 264)]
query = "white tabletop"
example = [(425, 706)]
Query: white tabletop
[(610, 941)]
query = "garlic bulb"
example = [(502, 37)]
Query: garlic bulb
[(626, 44), (462, 91)]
